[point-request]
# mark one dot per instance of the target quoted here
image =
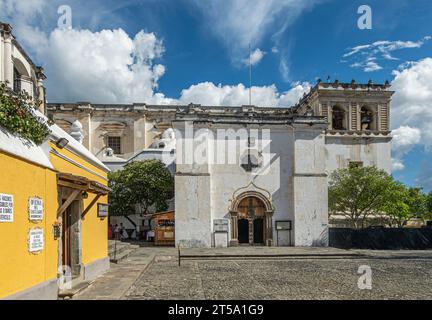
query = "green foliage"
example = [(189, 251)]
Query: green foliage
[(428, 205), (17, 116), (146, 183), (404, 203), (359, 192)]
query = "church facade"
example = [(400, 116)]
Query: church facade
[(248, 175)]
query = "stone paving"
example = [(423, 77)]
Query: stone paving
[(153, 273)]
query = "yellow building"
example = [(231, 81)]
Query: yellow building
[(53, 215)]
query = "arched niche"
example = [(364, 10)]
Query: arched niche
[(339, 118), (368, 120)]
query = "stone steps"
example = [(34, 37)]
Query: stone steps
[(77, 287), (119, 251)]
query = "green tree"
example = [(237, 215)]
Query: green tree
[(358, 192), (145, 183), (428, 206), (403, 204), (18, 117), (429, 202)]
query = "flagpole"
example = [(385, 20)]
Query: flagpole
[(250, 76)]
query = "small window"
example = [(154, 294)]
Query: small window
[(115, 144), (356, 164)]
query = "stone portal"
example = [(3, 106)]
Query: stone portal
[(251, 220)]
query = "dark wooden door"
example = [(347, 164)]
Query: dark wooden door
[(243, 231), (258, 231), (66, 237)]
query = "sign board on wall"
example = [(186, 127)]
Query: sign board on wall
[(102, 210), (36, 209), (220, 225), (6, 208), (284, 225), (35, 240)]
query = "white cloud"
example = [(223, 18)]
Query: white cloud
[(255, 57), (371, 66), (411, 113), (397, 165), (404, 139), (102, 67), (412, 102), (380, 50), (284, 70), (207, 93), (109, 66)]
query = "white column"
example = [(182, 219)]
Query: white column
[(41, 97), (8, 64), (1, 58), (349, 127)]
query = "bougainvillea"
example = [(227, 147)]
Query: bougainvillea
[(18, 117)]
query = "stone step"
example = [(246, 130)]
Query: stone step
[(118, 249), (76, 288), (121, 246), (122, 256)]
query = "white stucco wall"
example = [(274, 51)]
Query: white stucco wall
[(310, 189), (372, 151), (204, 192)]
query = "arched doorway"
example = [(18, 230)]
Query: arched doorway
[(251, 229)]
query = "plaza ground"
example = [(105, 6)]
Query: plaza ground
[(264, 273)]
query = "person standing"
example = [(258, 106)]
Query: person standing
[(110, 231), (117, 232)]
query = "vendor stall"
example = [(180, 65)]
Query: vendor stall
[(164, 228)]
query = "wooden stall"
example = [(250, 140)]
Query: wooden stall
[(164, 228)]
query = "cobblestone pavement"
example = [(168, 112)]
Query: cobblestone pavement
[(395, 275)]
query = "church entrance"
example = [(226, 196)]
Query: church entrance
[(243, 231), (251, 214)]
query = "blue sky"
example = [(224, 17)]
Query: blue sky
[(193, 51)]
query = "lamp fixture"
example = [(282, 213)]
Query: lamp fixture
[(62, 142)]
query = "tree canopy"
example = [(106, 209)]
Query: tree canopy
[(359, 193), (147, 184)]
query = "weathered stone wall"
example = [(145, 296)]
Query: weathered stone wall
[(340, 151), (310, 189)]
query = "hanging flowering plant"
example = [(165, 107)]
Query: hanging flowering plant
[(18, 117)]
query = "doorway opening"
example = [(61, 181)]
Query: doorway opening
[(258, 231), (251, 226), (243, 231)]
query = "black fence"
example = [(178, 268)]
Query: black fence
[(381, 238)]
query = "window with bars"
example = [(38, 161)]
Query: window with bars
[(115, 144)]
